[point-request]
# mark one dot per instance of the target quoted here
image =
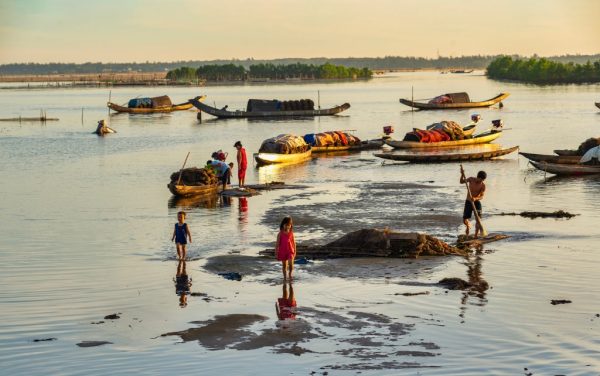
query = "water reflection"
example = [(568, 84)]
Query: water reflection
[(477, 286), (243, 211), (286, 306), (202, 201), (283, 172), (182, 283)]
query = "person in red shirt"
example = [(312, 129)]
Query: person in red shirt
[(242, 162)]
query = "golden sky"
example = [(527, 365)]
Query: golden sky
[(160, 30)]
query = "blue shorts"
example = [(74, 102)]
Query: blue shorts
[(468, 211)]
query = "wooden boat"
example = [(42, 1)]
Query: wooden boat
[(425, 157), (273, 158), (443, 106), (461, 71), (482, 138), (566, 169), (598, 104), (564, 159), (567, 152), (224, 113), (167, 108), (181, 190)]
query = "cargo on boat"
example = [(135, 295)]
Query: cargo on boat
[(453, 101)]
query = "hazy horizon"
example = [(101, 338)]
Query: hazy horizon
[(128, 31)]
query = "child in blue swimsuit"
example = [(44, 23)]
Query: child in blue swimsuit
[(180, 235)]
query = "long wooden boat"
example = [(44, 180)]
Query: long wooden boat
[(560, 159), (223, 113), (482, 138), (174, 107), (444, 106), (273, 158), (566, 169), (181, 190), (425, 157)]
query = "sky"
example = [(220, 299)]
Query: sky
[(78, 31)]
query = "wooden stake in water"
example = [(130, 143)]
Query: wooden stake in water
[(319, 99), (181, 171)]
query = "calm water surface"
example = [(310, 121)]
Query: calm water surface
[(87, 221)]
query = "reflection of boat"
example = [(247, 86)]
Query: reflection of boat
[(202, 201), (482, 138), (272, 158), (566, 169), (431, 157), (193, 190), (560, 159), (459, 101), (157, 105), (267, 111)]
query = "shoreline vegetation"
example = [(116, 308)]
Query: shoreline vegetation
[(543, 71)]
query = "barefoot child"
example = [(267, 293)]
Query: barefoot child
[(180, 235), (476, 190), (285, 248)]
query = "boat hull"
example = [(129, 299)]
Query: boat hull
[(425, 157), (180, 190), (176, 107), (598, 104), (447, 106), (225, 114), (560, 159), (566, 169), (480, 139), (275, 158)]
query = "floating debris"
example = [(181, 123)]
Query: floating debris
[(113, 316), (93, 343), (534, 215), (44, 339), (232, 276), (560, 301)]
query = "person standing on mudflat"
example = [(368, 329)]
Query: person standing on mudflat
[(474, 197), (242, 162)]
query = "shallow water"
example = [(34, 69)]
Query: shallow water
[(87, 221)]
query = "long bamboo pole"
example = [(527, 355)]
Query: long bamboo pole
[(181, 171)]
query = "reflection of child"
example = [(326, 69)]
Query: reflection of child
[(182, 284), (285, 248), (286, 305), (180, 235)]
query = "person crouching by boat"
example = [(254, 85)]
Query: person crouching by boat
[(475, 194), (242, 163), (221, 169)]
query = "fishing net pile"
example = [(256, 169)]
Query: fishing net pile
[(162, 101), (284, 144), (298, 105), (445, 130), (332, 138), (194, 176), (583, 147), (380, 243)]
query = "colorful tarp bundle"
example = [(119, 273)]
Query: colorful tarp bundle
[(437, 132), (284, 144), (331, 138)]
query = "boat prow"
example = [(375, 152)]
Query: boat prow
[(482, 138)]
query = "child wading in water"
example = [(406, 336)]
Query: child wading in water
[(285, 248), (180, 235)]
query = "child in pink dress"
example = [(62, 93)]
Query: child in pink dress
[(285, 248)]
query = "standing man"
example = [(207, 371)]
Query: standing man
[(242, 162), (474, 196)]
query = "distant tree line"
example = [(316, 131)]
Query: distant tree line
[(543, 71), (232, 72), (387, 62)]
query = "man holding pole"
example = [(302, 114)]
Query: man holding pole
[(475, 191)]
